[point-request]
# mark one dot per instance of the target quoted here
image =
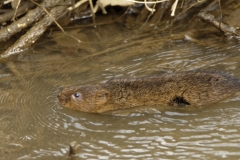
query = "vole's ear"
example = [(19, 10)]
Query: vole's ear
[(103, 93), (102, 97)]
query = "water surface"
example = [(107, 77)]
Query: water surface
[(35, 126)]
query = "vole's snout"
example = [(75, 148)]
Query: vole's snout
[(62, 99)]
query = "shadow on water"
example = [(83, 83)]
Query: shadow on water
[(35, 126)]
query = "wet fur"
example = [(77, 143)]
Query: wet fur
[(176, 89)]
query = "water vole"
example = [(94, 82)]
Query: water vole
[(172, 89)]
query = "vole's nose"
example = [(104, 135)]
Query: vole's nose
[(62, 99)]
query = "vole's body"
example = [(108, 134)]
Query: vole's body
[(175, 89)]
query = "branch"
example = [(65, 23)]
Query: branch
[(35, 32)]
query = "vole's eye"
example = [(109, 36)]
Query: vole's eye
[(77, 95)]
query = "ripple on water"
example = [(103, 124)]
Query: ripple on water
[(35, 126)]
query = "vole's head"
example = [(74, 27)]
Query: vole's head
[(86, 98)]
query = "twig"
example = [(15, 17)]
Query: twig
[(56, 21), (21, 10), (174, 6), (15, 13), (219, 25), (77, 5), (29, 18), (35, 32)]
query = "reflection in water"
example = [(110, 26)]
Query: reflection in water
[(33, 125)]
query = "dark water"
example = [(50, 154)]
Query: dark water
[(34, 126)]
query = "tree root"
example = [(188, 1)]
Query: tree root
[(29, 18), (21, 10), (35, 32)]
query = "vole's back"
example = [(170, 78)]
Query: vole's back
[(177, 89)]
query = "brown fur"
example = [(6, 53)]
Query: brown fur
[(175, 89)]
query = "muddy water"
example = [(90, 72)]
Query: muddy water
[(34, 126)]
